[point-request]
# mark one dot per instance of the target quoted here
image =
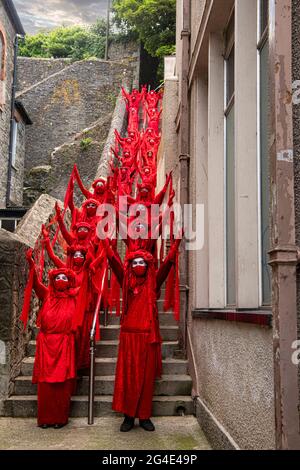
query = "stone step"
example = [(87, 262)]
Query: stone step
[(110, 348), (169, 385), (107, 366), (165, 318), (26, 406), (111, 332)]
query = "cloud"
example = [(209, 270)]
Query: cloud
[(36, 15)]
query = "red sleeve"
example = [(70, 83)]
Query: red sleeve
[(163, 272), (116, 265), (65, 233), (82, 188), (40, 289), (56, 260), (160, 196)]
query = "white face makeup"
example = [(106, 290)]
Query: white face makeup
[(83, 229), (61, 277), (78, 254), (139, 262), (91, 205)]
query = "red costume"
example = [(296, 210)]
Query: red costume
[(139, 356), (55, 362)]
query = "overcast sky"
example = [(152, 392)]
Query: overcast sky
[(38, 14)]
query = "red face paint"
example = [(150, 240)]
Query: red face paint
[(61, 285), (78, 261), (139, 271), (91, 211), (82, 234)]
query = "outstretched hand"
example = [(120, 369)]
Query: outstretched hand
[(57, 209), (45, 231), (29, 258)]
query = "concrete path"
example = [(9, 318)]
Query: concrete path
[(172, 433)]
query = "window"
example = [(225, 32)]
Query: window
[(9, 224), (264, 189), (230, 164), (264, 15), (14, 142)]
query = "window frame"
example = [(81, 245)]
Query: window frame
[(229, 46), (262, 39), (9, 218)]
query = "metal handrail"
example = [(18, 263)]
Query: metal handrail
[(92, 355)]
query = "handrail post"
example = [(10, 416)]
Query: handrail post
[(91, 382), (92, 356)]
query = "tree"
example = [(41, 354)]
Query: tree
[(153, 20), (74, 42)]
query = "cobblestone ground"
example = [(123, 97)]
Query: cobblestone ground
[(172, 433)]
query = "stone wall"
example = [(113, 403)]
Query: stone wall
[(233, 376), (5, 109), (119, 50), (67, 103), (13, 338), (32, 70), (29, 228), (85, 151), (13, 278)]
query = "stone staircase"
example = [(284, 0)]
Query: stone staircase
[(172, 391)]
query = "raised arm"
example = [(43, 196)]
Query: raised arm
[(56, 260), (70, 199), (160, 196), (40, 289), (167, 264), (65, 233), (114, 261), (82, 188)]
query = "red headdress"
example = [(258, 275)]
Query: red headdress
[(68, 272), (90, 201), (99, 180), (82, 224)]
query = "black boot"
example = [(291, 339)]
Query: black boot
[(127, 424), (44, 426), (147, 424), (59, 426)]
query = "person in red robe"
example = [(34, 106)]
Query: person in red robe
[(54, 369), (88, 271), (139, 356)]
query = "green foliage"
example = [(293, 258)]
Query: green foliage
[(74, 42), (86, 143), (153, 20)]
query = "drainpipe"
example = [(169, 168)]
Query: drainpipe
[(184, 158), (13, 96), (283, 253)]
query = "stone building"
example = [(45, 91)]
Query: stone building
[(228, 135), (13, 119)]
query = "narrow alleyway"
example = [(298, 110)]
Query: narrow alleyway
[(172, 433)]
